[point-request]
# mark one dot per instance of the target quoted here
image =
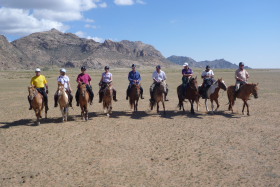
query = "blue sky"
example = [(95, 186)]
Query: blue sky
[(235, 30)]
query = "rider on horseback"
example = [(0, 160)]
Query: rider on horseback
[(64, 79), (84, 78), (241, 76), (159, 76), (134, 77), (208, 79), (106, 78), (187, 73), (41, 84)]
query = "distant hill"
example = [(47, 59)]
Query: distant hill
[(215, 64), (56, 49)]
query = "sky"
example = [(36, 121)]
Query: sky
[(234, 30)]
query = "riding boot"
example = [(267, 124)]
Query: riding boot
[(55, 100), (30, 106), (165, 99), (127, 93), (115, 95), (151, 94), (70, 99), (141, 92), (46, 103), (100, 96), (77, 97)]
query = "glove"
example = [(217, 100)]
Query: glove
[(47, 91)]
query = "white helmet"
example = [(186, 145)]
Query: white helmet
[(37, 70), (185, 64), (63, 70)]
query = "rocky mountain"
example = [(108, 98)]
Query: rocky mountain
[(215, 64), (56, 49)]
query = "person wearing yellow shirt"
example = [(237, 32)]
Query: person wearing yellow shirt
[(41, 84)]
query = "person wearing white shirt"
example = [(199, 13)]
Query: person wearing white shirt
[(159, 76), (208, 79), (64, 79)]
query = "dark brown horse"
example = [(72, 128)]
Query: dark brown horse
[(37, 102), (84, 100), (107, 99), (191, 94), (158, 96), (134, 95), (244, 93), (213, 93)]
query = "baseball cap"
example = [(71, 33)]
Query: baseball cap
[(106, 67), (185, 64), (158, 67), (241, 64), (63, 70), (83, 68), (133, 65), (37, 70), (207, 67)]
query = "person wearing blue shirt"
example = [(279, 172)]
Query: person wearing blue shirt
[(134, 77)]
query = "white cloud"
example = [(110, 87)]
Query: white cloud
[(91, 26), (124, 2), (21, 22), (128, 2), (89, 20), (82, 34), (22, 17)]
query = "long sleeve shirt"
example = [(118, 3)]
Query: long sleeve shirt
[(132, 76)]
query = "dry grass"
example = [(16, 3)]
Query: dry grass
[(141, 149)]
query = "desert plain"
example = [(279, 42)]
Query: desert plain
[(142, 148)]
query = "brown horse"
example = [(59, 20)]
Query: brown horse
[(63, 101), (134, 95), (213, 93), (37, 102), (244, 93), (191, 94), (107, 99), (84, 100), (158, 96)]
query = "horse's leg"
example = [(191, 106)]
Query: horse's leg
[(66, 113), (197, 104), (86, 113), (217, 102), (243, 107), (192, 110), (247, 108), (163, 105), (62, 112), (157, 107), (212, 106), (206, 105)]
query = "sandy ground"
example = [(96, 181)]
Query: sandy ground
[(143, 148)]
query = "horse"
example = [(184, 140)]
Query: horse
[(134, 95), (244, 93), (63, 101), (84, 100), (107, 99), (37, 102), (213, 93), (158, 96), (191, 94)]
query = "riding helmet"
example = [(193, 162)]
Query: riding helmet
[(83, 68), (37, 70), (185, 64), (63, 70), (106, 67)]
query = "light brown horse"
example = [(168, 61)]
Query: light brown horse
[(84, 100), (107, 99), (37, 102), (63, 101), (191, 94), (213, 93), (158, 96), (244, 93), (134, 95)]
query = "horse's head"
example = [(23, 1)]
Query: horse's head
[(32, 92), (137, 87), (193, 84), (222, 84), (60, 88), (83, 90), (255, 90)]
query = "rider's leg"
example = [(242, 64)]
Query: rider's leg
[(70, 96), (141, 92), (91, 95), (42, 91), (237, 86), (114, 95), (151, 91), (100, 95), (77, 96), (55, 98), (165, 93), (127, 91)]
